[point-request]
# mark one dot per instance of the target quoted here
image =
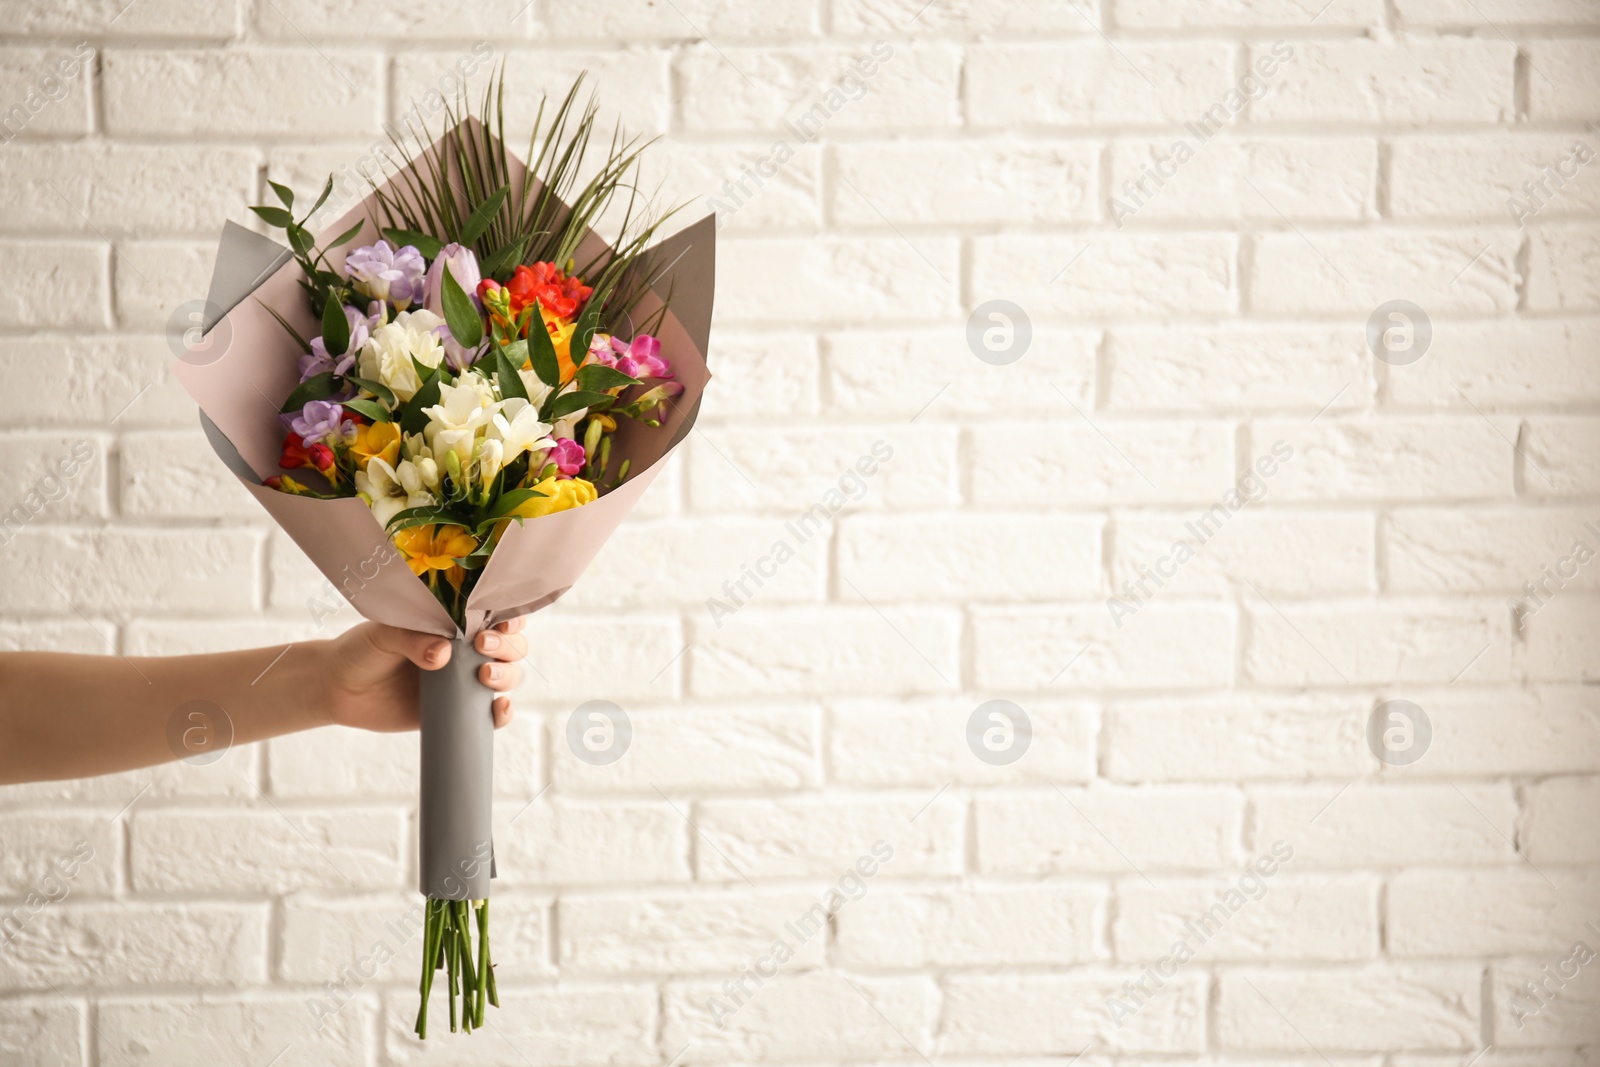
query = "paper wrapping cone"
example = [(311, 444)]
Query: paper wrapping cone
[(246, 367)]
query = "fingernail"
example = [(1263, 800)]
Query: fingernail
[(491, 641), (494, 672), (436, 653)]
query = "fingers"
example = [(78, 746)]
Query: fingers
[(502, 711), (500, 677), (507, 647), (428, 651), (512, 626)]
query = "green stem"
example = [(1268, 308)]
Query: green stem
[(483, 957), (450, 967)]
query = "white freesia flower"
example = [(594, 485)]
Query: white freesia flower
[(463, 411), (491, 457), (517, 427), (387, 356), (391, 490), (537, 391)]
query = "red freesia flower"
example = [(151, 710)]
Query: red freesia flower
[(296, 454), (559, 293)]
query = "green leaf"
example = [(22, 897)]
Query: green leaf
[(599, 378), (503, 507), (567, 403), (588, 324), (285, 193), (377, 389), (317, 387), (370, 408), (346, 237), (430, 247), (275, 216), (335, 328), (542, 353), (505, 372), (323, 199), (424, 516), (505, 258), (460, 313), (412, 420), (480, 219), (300, 239)]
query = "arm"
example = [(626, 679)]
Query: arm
[(68, 716)]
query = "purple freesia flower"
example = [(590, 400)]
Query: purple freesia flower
[(320, 421), (320, 360), (456, 354), (464, 265), (567, 456), (385, 273), (640, 358)]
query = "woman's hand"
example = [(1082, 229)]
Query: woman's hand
[(372, 676)]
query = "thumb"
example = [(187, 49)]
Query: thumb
[(428, 651)]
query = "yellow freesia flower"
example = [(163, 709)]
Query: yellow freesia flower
[(435, 548), (560, 494), (376, 440), (561, 331)]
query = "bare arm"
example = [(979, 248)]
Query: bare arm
[(69, 716)]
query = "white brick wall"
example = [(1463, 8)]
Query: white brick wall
[(1188, 314)]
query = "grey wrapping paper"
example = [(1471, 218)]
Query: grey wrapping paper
[(455, 853)]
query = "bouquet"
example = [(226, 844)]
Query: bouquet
[(449, 404)]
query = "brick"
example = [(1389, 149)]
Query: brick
[(1442, 271), (1244, 14), (875, 386), (1437, 550), (183, 1032), (46, 90), (682, 933), (1242, 736), (607, 658), (649, 564), (367, 19), (57, 284), (990, 182), (1505, 363), (326, 92), (798, 92), (1562, 1004), (115, 189), (1562, 271), (925, 743), (53, 478), (1487, 733), (72, 384), (153, 278), (846, 648), (1098, 460), (765, 185), (1555, 828), (363, 764), (1305, 178), (1087, 83), (1465, 457), (1025, 648), (1239, 367), (139, 943), (825, 837), (1565, 87), (1559, 648), (866, 278), (1452, 176), (571, 1025), (1489, 913), (1558, 456), (631, 83), (271, 851), (976, 557), (802, 1017), (1254, 920), (1369, 1009), (354, 942), (1001, 925), (963, 18), (1297, 553), (1378, 644), (43, 1031), (1120, 275), (177, 476), (1107, 829), (599, 20), (1041, 1014), (704, 749), (779, 372), (553, 841), (1475, 13), (112, 19), (1331, 825), (151, 572), (1423, 80)]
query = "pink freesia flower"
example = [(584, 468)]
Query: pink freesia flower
[(640, 358), (567, 456)]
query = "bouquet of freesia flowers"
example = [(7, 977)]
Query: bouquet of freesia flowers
[(466, 381)]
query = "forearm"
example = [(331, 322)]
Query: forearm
[(68, 716)]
